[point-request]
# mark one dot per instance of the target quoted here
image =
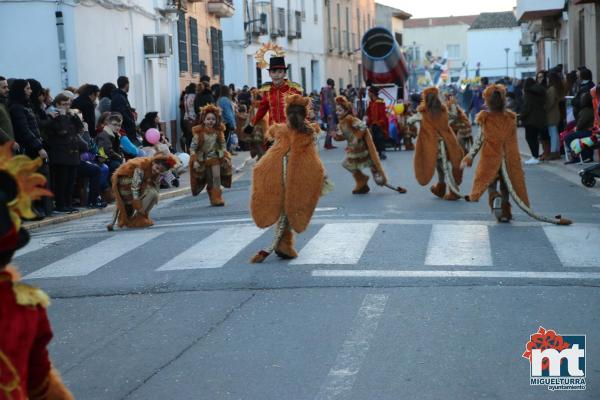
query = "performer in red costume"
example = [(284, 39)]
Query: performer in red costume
[(273, 95), (377, 120), (26, 371)]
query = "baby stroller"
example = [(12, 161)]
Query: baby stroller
[(588, 175)]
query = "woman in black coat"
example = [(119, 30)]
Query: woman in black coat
[(64, 145), (533, 116)]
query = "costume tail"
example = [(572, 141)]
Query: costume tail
[(398, 189), (557, 220), (279, 230), (448, 172)]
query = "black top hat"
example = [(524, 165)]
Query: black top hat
[(277, 63), (10, 238)]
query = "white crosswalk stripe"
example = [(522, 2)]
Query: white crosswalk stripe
[(36, 244), (215, 250), (337, 244), (341, 243), (459, 245), (90, 259), (576, 246)]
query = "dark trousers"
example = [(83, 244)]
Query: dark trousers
[(44, 205), (533, 135), (63, 182), (378, 138), (87, 169)]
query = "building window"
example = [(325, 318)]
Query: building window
[(303, 78), (303, 10), (221, 57), (358, 23), (398, 38), (214, 50), (299, 20), (260, 14), (194, 45), (289, 72), (182, 45), (316, 14), (527, 50), (339, 26), (336, 39), (341, 82), (281, 21), (453, 51)]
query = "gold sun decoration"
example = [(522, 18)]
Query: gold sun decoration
[(259, 56)]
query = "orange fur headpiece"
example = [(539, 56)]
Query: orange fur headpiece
[(487, 93), (431, 89), (344, 102), (297, 100), (168, 159), (210, 109)]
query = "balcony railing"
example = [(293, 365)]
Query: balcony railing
[(523, 61), (221, 8)]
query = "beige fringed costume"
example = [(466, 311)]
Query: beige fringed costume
[(435, 142), (210, 163), (361, 151), (287, 181)]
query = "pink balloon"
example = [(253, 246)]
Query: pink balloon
[(152, 136)]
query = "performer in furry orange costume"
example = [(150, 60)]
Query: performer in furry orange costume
[(135, 187), (361, 152), (437, 147), (26, 371), (288, 180), (210, 163), (459, 122), (500, 161)]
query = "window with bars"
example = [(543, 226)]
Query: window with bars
[(194, 45), (299, 19), (182, 45), (281, 21), (291, 23), (214, 50)]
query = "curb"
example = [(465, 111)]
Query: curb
[(30, 226)]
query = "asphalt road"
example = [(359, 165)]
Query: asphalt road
[(393, 296)]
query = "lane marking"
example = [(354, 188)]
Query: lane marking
[(37, 243), (350, 273), (342, 375), (459, 245), (215, 250), (577, 246), (91, 258), (340, 243)]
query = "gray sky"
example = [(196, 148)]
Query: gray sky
[(445, 8)]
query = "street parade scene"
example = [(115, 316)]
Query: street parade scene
[(275, 199)]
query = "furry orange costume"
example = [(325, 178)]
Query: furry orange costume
[(288, 179), (433, 130), (200, 163), (500, 160)]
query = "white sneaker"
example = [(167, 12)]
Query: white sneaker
[(532, 161)]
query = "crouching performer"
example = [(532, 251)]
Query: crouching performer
[(288, 180), (26, 370), (437, 148), (361, 151), (135, 187), (210, 163), (500, 162)]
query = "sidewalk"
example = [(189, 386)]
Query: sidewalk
[(240, 160), (570, 172)]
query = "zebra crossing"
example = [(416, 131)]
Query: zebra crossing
[(331, 244)]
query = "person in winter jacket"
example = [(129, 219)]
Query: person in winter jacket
[(534, 118), (120, 103), (86, 103)]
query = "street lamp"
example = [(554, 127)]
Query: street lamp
[(507, 50)]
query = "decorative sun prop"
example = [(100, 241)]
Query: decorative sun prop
[(259, 56), (29, 183)]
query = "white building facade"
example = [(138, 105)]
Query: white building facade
[(102, 40), (295, 25), (494, 42)]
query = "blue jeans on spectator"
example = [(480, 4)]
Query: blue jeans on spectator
[(91, 171), (554, 139)]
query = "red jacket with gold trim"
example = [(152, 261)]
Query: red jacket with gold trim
[(377, 115), (25, 367), (273, 101)]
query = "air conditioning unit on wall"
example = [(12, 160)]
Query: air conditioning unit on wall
[(158, 45)]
